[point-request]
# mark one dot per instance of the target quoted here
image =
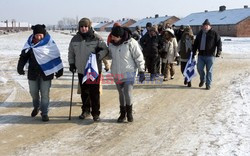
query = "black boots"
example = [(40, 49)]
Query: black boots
[(129, 113), (122, 114), (84, 114), (34, 112), (125, 110)]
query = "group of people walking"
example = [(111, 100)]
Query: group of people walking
[(158, 46)]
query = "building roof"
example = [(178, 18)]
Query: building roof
[(121, 22), (100, 25), (226, 17), (154, 21)]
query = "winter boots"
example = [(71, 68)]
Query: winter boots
[(122, 116), (129, 113), (34, 112), (84, 114), (125, 110)]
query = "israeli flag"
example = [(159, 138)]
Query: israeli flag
[(46, 53), (189, 71), (91, 69)]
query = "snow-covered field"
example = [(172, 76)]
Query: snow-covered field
[(219, 122)]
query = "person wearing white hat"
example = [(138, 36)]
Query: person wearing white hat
[(168, 53)]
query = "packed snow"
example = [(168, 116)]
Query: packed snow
[(222, 131)]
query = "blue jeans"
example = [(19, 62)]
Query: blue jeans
[(36, 86), (207, 61)]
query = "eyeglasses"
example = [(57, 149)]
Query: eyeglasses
[(83, 26)]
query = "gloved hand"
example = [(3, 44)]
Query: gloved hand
[(106, 69), (217, 55), (141, 77), (59, 73), (72, 68), (98, 49), (20, 71)]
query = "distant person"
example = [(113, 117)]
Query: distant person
[(208, 43), (43, 57), (179, 32), (137, 34), (81, 46), (146, 30), (168, 53), (150, 44), (127, 59), (143, 40), (186, 47)]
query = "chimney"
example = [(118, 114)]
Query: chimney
[(206, 11), (156, 15), (222, 8), (245, 6)]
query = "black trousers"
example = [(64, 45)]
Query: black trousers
[(90, 89)]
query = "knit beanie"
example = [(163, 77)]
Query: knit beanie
[(117, 31), (149, 24), (206, 22), (39, 29), (85, 22)]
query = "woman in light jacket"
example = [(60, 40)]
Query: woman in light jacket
[(127, 58), (169, 53)]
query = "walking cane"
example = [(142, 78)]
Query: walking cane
[(71, 95)]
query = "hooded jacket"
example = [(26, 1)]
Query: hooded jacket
[(127, 58)]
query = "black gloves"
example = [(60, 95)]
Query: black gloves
[(141, 77), (20, 71), (72, 68), (218, 54), (98, 49), (59, 73)]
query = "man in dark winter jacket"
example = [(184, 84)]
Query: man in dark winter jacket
[(150, 44), (44, 60), (208, 43), (81, 46)]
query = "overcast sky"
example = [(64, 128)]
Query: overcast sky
[(51, 11)]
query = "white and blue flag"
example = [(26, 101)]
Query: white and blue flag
[(189, 71), (91, 69), (46, 53)]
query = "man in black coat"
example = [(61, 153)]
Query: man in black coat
[(208, 43)]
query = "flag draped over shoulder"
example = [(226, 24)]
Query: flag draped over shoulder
[(91, 69), (189, 71), (46, 53)]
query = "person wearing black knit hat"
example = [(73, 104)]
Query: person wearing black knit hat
[(209, 45), (40, 73), (117, 31), (122, 50), (39, 29)]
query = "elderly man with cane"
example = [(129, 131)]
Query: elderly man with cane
[(81, 47)]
